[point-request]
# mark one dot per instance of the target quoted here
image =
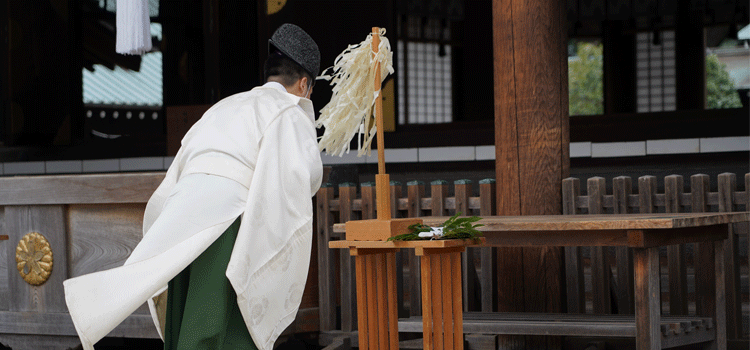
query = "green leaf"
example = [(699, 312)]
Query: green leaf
[(455, 227)]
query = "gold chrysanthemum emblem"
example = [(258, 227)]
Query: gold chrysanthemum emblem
[(34, 258)]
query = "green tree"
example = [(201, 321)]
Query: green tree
[(585, 86), (720, 92)]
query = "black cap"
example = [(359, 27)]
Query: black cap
[(296, 44)]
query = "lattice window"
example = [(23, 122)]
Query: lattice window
[(656, 71), (425, 89)]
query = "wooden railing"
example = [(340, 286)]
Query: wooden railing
[(609, 269)]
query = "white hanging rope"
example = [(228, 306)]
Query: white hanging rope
[(133, 27), (351, 106)]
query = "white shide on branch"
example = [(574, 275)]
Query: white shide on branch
[(350, 110)]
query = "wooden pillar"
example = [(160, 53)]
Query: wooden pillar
[(211, 49), (619, 68), (690, 46), (532, 146), (240, 67), (183, 53), (41, 93), (211, 44)]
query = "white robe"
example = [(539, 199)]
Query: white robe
[(252, 154)]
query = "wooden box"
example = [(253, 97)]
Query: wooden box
[(378, 230)]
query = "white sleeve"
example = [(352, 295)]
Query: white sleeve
[(271, 255), (287, 174)]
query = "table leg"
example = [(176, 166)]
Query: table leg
[(711, 283), (442, 305), (376, 299), (720, 315), (647, 298)]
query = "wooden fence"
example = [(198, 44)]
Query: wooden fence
[(598, 279)]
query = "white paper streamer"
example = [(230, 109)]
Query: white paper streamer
[(133, 27), (435, 233), (349, 112)]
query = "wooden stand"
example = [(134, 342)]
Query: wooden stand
[(442, 307), (376, 265), (376, 298)]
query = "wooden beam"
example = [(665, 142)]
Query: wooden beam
[(77, 189), (60, 324)]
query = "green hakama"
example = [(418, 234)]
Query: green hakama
[(202, 311)]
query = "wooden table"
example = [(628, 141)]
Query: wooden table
[(644, 233)]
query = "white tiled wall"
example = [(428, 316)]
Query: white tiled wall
[(142, 164), (402, 155), (18, 168), (485, 152), (725, 144), (398, 155), (580, 149), (167, 162), (101, 166), (346, 158), (618, 149), (680, 146), (447, 154), (64, 167)]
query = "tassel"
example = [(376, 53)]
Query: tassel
[(133, 27), (349, 112)]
